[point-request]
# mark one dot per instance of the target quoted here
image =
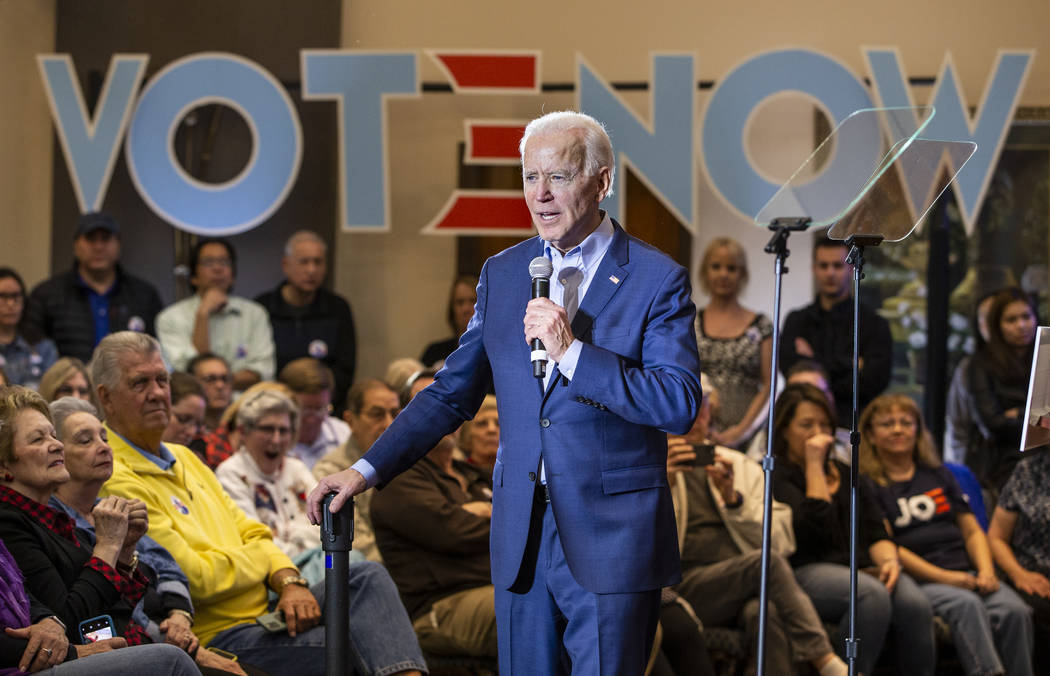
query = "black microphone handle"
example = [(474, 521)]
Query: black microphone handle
[(541, 288)]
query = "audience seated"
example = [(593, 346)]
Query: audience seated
[(999, 375), (32, 639), (320, 432), (231, 560), (719, 512), (823, 331), (461, 299), (77, 308), (270, 486), (187, 409), (68, 377), (371, 405), (77, 574), (960, 430), (215, 320), (479, 438), (940, 542), (816, 488), (309, 320), (1020, 546), (24, 354), (432, 527)]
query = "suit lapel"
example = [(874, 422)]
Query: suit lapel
[(608, 279)]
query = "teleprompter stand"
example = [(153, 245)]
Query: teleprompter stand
[(872, 180)]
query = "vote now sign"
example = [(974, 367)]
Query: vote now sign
[(667, 151)]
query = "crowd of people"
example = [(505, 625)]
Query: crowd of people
[(161, 483)]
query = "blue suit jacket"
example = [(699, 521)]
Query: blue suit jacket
[(602, 435)]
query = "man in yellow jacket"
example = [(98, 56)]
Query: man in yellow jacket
[(231, 560)]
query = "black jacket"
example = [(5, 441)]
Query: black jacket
[(830, 334), (60, 309), (323, 329)]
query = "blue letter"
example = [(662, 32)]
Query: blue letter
[(740, 92), (951, 121), (90, 145), (360, 82), (662, 152), (207, 208)]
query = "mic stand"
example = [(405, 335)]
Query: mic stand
[(856, 244), (337, 537), (781, 228)]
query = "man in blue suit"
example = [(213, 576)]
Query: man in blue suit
[(583, 534)]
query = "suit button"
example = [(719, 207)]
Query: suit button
[(532, 476), (545, 423)]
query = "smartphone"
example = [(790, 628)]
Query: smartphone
[(705, 455), (98, 628), (222, 653), (272, 622)]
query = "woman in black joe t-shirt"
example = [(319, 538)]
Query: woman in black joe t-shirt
[(940, 542)]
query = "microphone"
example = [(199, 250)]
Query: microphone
[(540, 269)]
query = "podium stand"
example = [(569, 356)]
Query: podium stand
[(864, 202)]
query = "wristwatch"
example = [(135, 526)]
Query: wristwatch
[(293, 579), (129, 569)]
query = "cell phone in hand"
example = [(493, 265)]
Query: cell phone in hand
[(272, 622), (98, 628), (705, 455)]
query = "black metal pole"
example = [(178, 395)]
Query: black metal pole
[(856, 259), (781, 227), (337, 537)]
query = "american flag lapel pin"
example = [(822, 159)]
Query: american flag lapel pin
[(614, 279)]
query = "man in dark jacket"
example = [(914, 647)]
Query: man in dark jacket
[(823, 331), (309, 320), (78, 308)]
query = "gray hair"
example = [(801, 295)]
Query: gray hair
[(597, 145), (257, 405), (304, 236), (105, 363), (62, 408)]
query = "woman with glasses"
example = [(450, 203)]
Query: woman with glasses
[(24, 354), (939, 541), (187, 409), (270, 486), (816, 487)]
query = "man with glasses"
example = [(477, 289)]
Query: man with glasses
[(214, 320), (77, 308), (212, 443), (320, 432), (371, 405)]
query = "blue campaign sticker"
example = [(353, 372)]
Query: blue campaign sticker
[(180, 505)]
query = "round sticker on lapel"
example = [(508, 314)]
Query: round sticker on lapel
[(241, 352), (137, 323), (318, 349), (3, 362), (180, 505)]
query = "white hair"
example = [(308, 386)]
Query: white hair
[(304, 236), (597, 145)]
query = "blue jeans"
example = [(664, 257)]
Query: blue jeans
[(159, 659), (907, 610), (992, 634), (381, 637)]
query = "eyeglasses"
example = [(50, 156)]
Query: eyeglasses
[(378, 413), (211, 262), (213, 378), (316, 411), (15, 297), (270, 430), (906, 423)]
